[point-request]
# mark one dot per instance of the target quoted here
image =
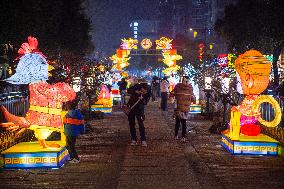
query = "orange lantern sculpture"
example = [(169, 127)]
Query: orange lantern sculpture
[(253, 70)]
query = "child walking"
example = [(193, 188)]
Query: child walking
[(73, 127)]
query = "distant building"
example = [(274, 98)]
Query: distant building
[(141, 29)]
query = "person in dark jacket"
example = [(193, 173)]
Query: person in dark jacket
[(74, 125), (155, 88), (138, 93), (122, 84)]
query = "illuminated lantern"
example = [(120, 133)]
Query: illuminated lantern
[(200, 51), (44, 114), (146, 43), (253, 71), (164, 43)]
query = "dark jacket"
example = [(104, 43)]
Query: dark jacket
[(74, 123), (122, 85), (134, 97)]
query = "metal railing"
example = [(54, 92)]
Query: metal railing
[(17, 104)]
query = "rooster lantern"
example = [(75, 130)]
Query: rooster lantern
[(44, 114)]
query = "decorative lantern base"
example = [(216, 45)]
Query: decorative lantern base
[(30, 155), (251, 145), (195, 109), (101, 108)]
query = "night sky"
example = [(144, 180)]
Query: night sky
[(111, 19)]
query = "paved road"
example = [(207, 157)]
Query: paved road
[(108, 161)]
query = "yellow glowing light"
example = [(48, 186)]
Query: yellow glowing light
[(195, 34), (164, 43), (146, 43), (170, 60), (170, 70), (129, 43)]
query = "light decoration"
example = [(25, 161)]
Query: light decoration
[(164, 43), (253, 70), (146, 43), (44, 114), (222, 60), (200, 51), (129, 44), (104, 102), (170, 60), (170, 55), (170, 70), (231, 60), (208, 81), (120, 62)]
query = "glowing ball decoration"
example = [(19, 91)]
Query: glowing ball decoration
[(146, 43)]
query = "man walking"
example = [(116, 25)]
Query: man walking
[(183, 94)]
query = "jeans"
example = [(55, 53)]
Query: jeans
[(164, 101), (140, 118), (183, 123), (70, 145), (155, 91), (122, 94)]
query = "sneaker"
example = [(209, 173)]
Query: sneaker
[(144, 144), (183, 139), (74, 161), (133, 143), (176, 138)]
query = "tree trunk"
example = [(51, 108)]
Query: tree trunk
[(276, 54)]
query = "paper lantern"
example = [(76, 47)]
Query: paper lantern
[(254, 70)]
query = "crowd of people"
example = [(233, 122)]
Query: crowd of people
[(140, 93)]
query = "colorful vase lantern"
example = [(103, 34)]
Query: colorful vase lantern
[(45, 112), (104, 97), (253, 71)]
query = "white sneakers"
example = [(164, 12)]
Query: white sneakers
[(144, 144), (134, 143), (74, 161)]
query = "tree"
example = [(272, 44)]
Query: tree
[(58, 25), (254, 24)]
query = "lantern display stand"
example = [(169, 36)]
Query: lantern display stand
[(244, 137), (27, 155), (251, 145)]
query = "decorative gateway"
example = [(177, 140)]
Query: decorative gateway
[(44, 115), (244, 135)]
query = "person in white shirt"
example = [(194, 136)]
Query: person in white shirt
[(165, 88)]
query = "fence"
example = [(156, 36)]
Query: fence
[(17, 104)]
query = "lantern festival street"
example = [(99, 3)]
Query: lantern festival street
[(109, 161)]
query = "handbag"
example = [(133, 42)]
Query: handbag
[(127, 109)]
